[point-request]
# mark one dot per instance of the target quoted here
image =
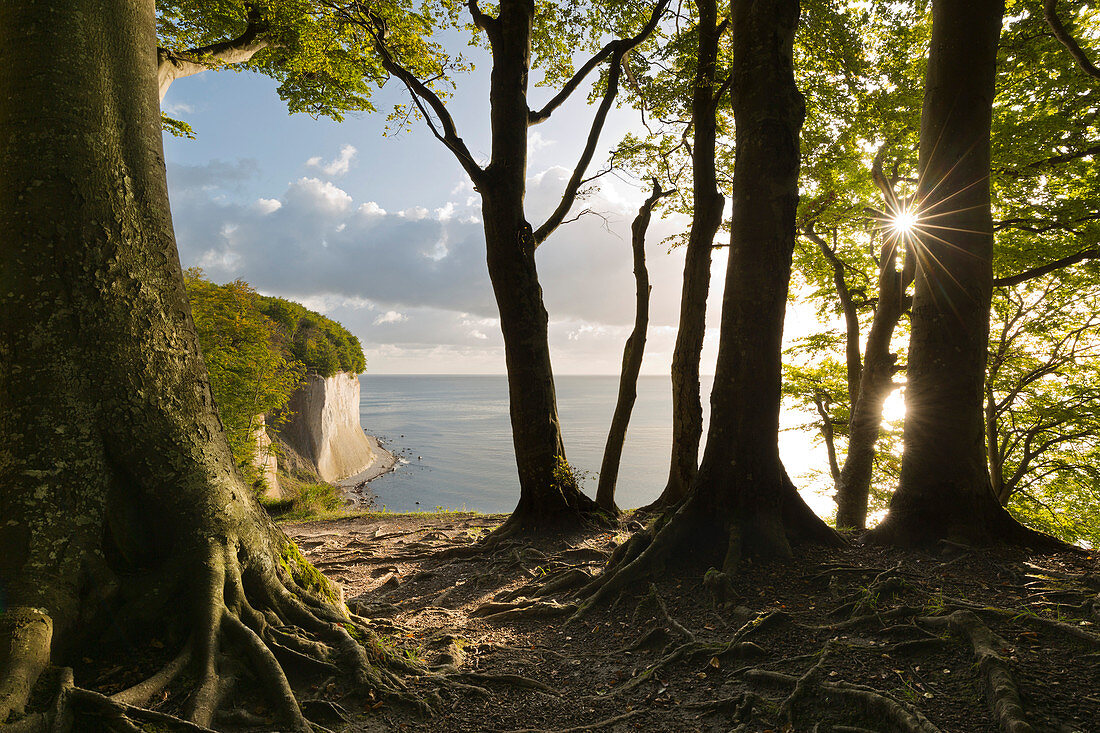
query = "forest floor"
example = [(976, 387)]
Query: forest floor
[(853, 639)]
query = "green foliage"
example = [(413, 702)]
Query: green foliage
[(567, 477), (250, 375), (321, 344), (176, 128), (324, 63), (257, 351), (1043, 399), (316, 499), (1045, 182)]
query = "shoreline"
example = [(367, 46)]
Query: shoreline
[(355, 486)]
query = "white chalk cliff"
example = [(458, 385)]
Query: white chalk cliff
[(324, 428)]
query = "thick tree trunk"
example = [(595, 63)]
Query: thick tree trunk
[(944, 492), (632, 359), (687, 408), (121, 506), (875, 385), (742, 489), (549, 493), (742, 502)]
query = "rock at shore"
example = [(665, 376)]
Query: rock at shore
[(324, 427)]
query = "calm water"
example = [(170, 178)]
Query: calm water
[(453, 435)]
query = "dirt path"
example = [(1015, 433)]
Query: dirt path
[(859, 639)]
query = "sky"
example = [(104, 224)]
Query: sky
[(383, 232)]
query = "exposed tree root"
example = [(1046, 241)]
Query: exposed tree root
[(735, 648), (1031, 619), (514, 680), (1001, 689), (658, 603), (882, 587), (894, 716), (716, 535), (523, 608), (581, 728), (27, 633), (244, 608)]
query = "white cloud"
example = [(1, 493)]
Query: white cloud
[(320, 194), (416, 213), (390, 317), (339, 165), (535, 141), (413, 284), (179, 108), (268, 206)]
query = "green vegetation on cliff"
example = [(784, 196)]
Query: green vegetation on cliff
[(322, 344), (258, 350)]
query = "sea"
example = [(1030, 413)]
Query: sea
[(452, 437)]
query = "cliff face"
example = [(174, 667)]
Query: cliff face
[(265, 461), (324, 427)]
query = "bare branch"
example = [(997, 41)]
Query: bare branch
[(1086, 254), (622, 48), (1050, 11), (853, 357), (534, 118), (422, 95)]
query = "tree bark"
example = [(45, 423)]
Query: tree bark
[(549, 493), (172, 65), (875, 385), (687, 408), (632, 359), (741, 481), (944, 491), (122, 510), (741, 502)]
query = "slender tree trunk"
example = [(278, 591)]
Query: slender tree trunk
[(122, 510), (742, 502), (548, 489), (632, 359), (875, 385), (687, 408), (996, 462), (944, 492), (827, 433)]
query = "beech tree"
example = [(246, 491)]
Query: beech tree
[(322, 64), (851, 261), (742, 503), (124, 520), (549, 491), (633, 352), (707, 91), (1042, 404), (944, 490)]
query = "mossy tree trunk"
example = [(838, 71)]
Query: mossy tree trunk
[(944, 490), (741, 502), (124, 519)]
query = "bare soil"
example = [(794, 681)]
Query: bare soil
[(856, 639)]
